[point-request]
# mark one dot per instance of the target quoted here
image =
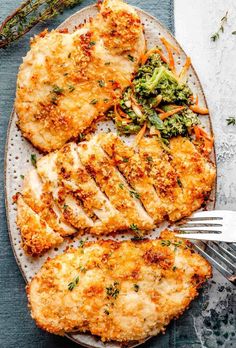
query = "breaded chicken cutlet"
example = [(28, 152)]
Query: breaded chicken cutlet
[(68, 79), (122, 291), (102, 186)]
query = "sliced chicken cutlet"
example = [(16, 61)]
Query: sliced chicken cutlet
[(122, 291), (70, 206), (40, 200), (113, 184), (133, 167), (196, 175), (183, 178), (75, 178), (37, 235), (68, 79)]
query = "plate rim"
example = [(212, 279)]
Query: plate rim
[(6, 148)]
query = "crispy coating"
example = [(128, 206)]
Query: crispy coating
[(122, 291), (104, 186), (37, 236), (68, 79)]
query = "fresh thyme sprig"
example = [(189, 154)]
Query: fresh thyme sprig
[(28, 15), (231, 121), (223, 20)]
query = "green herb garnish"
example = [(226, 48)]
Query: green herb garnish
[(71, 88), (73, 284), (179, 183), (112, 290), (231, 121), (136, 287), (22, 176), (134, 194), (94, 101), (106, 312), (223, 20), (131, 58), (101, 83), (58, 90), (121, 186), (33, 159), (125, 160)]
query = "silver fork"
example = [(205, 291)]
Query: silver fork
[(215, 235)]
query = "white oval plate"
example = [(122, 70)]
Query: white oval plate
[(18, 152)]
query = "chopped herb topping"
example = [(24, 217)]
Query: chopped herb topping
[(106, 312), (231, 121), (82, 269), (165, 242), (136, 287), (65, 206), (106, 100), (174, 268), (179, 182), (94, 101), (112, 290), (134, 194), (223, 20), (134, 227), (34, 160), (58, 90), (101, 83), (22, 176), (131, 58), (125, 160), (149, 159), (73, 284), (92, 43), (71, 88), (54, 100), (121, 186), (82, 242), (107, 63)]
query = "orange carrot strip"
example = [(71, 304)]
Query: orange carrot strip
[(185, 68), (140, 134), (154, 131), (170, 54), (171, 112), (117, 113), (201, 133), (171, 45), (198, 110), (160, 110), (151, 51)]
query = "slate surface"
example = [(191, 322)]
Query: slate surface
[(17, 329)]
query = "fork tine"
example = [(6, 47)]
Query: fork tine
[(203, 222), (233, 246), (214, 263), (225, 251), (202, 228), (205, 236), (208, 214), (221, 257)]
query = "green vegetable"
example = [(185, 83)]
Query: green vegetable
[(57, 90), (223, 20), (134, 194)]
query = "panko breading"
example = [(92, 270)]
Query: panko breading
[(103, 186), (122, 291), (68, 79)]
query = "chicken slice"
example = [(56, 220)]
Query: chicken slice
[(133, 294), (67, 79), (69, 205), (113, 184), (76, 179), (36, 234), (40, 200), (133, 168), (161, 173), (196, 175)]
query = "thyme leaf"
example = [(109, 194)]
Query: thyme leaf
[(216, 35), (231, 121)]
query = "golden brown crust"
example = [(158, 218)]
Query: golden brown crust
[(124, 290), (67, 80), (98, 186)]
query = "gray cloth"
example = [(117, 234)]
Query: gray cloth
[(17, 328)]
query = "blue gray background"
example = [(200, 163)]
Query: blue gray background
[(17, 329)]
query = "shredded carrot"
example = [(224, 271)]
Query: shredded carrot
[(198, 110), (145, 56), (171, 45), (196, 100), (185, 68), (171, 112), (160, 110), (168, 47), (140, 135), (117, 115), (201, 133)]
